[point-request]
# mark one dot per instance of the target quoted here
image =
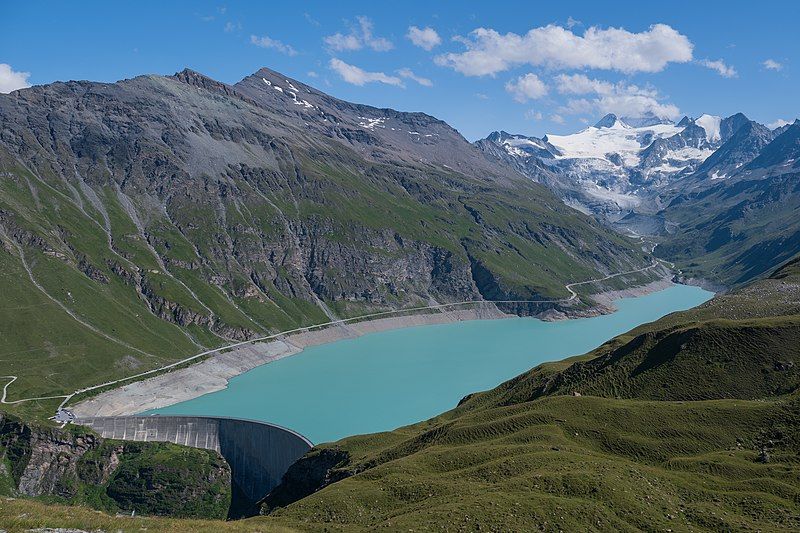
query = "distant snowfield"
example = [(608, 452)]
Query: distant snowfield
[(677, 160), (613, 162), (621, 139), (371, 123), (717, 176)]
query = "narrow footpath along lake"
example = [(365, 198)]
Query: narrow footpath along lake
[(389, 379)]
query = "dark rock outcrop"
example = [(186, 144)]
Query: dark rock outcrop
[(78, 466), (314, 471)]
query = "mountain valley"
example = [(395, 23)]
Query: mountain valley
[(159, 221), (653, 178)]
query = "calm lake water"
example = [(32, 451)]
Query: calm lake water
[(385, 380)]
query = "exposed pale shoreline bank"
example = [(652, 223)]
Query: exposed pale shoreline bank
[(213, 374)]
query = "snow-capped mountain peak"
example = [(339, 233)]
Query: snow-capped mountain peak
[(522, 146), (612, 166), (610, 121), (647, 120)]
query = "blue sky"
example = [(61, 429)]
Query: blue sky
[(525, 67)]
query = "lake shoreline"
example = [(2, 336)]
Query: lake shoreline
[(213, 374)]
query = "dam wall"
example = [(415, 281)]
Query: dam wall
[(258, 453)]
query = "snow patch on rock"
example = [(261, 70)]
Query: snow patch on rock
[(711, 124)]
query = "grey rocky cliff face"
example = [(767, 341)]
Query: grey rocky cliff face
[(68, 464), (122, 147), (45, 461), (52, 460), (741, 226), (738, 150)]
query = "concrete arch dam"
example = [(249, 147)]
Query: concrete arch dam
[(257, 452)]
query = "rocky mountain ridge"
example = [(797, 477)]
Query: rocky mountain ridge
[(737, 227), (616, 167)]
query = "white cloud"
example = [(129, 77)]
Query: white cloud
[(618, 98), (342, 43), (771, 64), (489, 52), (724, 70), (311, 20), (571, 22), (636, 105), (778, 123), (11, 80), (482, 96), (359, 37), (379, 44), (578, 107), (409, 74), (532, 114), (266, 41), (582, 84), (356, 76), (558, 119), (527, 87), (426, 38), (312, 74), (232, 26)]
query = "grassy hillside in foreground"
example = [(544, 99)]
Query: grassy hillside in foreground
[(17, 515), (607, 441), (571, 464)]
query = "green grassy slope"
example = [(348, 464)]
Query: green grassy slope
[(734, 232), (571, 464), (18, 515)]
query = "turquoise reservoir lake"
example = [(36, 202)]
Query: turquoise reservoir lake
[(389, 379)]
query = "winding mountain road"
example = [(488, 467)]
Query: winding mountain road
[(12, 379), (68, 397)]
